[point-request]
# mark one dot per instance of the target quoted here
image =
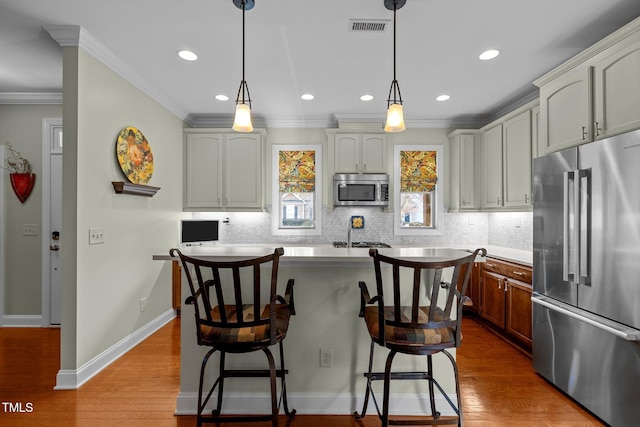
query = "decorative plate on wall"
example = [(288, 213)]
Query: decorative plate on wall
[(134, 155)]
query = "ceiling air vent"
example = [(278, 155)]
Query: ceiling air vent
[(368, 25)]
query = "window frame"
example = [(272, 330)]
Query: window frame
[(437, 211), (276, 209)]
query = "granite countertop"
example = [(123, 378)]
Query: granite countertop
[(327, 253)]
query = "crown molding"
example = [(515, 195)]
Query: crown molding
[(52, 98), (77, 36)]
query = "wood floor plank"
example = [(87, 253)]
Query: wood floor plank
[(499, 386)]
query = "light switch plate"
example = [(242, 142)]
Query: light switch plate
[(29, 229), (96, 236)]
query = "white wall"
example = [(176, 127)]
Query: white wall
[(103, 284)]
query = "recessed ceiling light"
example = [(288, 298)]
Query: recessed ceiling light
[(307, 96), (366, 97), (187, 55), (489, 54), (443, 98), (222, 97)]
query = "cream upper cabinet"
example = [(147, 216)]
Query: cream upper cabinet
[(463, 164), (492, 167), (516, 147), (359, 153), (565, 112), (223, 171), (203, 177), (593, 95), (617, 92)]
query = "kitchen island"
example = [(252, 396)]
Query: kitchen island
[(327, 301)]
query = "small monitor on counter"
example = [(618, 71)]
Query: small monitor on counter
[(194, 232)]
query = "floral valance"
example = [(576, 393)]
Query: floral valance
[(418, 171), (297, 171)]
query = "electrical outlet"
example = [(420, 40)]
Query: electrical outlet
[(326, 357), (29, 229), (143, 304), (96, 235)]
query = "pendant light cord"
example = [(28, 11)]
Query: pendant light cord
[(243, 36), (394, 46)]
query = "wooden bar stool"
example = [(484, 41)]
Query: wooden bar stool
[(229, 321), (403, 324)]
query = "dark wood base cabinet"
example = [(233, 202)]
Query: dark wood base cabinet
[(503, 299)]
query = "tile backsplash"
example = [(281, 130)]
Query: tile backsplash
[(508, 229)]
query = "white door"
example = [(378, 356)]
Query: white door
[(52, 222), (56, 239)]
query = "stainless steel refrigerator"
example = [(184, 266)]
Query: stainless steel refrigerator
[(586, 275)]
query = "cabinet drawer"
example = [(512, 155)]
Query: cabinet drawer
[(508, 269)]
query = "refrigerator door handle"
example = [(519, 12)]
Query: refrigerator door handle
[(584, 225), (569, 218), (617, 329)]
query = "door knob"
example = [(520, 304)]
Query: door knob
[(54, 248)]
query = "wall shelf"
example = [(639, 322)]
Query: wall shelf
[(121, 187)]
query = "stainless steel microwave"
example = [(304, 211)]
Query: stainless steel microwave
[(360, 190)]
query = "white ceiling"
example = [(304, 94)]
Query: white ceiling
[(298, 46)]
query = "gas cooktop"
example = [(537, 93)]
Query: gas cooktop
[(361, 245)]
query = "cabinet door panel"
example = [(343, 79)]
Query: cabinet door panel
[(617, 93), (565, 112), (243, 176), (493, 298), (374, 150), (203, 183), (517, 160), (347, 154), (492, 168), (467, 172), (519, 311)]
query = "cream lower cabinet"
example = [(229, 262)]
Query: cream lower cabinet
[(359, 153), (223, 171)]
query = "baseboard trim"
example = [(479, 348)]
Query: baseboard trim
[(71, 379), (22, 321), (314, 403)]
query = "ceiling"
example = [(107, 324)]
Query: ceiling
[(302, 46)]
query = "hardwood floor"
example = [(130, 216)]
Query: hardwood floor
[(498, 384)]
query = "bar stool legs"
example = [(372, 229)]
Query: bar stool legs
[(387, 376)]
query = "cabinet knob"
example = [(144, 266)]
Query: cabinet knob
[(499, 283), (526, 199), (518, 273), (506, 283), (585, 133)]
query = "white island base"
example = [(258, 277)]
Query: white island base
[(327, 302)]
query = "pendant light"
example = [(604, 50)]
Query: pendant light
[(395, 116), (242, 121)]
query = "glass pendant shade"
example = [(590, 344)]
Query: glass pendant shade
[(242, 121), (395, 119)]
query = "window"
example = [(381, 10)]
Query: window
[(296, 190), (419, 201)]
